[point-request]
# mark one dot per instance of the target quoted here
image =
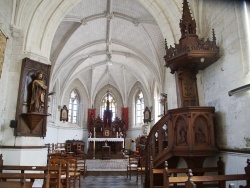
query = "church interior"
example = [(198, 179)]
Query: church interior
[(162, 86)]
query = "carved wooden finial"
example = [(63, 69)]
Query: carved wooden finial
[(166, 44), (190, 174), (166, 164), (214, 38), (187, 24)]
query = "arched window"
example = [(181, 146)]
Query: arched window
[(139, 108), (112, 105), (73, 107)]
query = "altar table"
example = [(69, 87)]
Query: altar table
[(103, 140)]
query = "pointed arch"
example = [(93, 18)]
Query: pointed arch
[(139, 107), (109, 97), (74, 102)]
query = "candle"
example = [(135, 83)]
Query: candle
[(116, 134)]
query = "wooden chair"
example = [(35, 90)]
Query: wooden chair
[(140, 168), (81, 164), (73, 172), (132, 165), (57, 166)]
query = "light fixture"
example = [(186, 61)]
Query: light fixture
[(51, 93), (202, 59), (110, 62), (239, 90)]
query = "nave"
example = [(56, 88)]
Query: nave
[(109, 174)]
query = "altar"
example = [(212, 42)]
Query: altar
[(95, 145), (105, 134), (105, 139)]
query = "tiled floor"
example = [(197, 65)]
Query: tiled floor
[(109, 174), (110, 182)]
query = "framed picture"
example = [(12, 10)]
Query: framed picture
[(106, 133), (145, 129), (64, 113), (147, 115)]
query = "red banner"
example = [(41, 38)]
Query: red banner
[(91, 118), (125, 117)]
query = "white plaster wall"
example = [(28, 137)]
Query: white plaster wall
[(9, 83), (229, 72), (7, 111), (170, 89), (235, 164), (59, 131)]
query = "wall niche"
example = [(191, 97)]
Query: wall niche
[(32, 103)]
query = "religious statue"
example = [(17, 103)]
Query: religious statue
[(38, 94)]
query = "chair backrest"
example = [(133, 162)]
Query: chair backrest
[(55, 168), (72, 166), (141, 162), (133, 159), (81, 162)]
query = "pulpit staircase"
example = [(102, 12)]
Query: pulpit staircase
[(186, 133)]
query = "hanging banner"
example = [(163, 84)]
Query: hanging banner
[(125, 117), (91, 118)]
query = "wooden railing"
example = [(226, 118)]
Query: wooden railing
[(183, 132)]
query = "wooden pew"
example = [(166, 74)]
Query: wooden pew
[(190, 181), (9, 180), (14, 176), (219, 169)]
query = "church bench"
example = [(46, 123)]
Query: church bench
[(18, 171), (158, 174), (22, 169), (15, 176), (176, 172), (16, 180), (190, 181)]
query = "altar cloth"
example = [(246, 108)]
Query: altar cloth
[(106, 139)]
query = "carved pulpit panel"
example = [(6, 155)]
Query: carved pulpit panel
[(201, 131), (187, 88), (181, 131)]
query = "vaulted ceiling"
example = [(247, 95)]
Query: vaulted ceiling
[(116, 42), (99, 42)]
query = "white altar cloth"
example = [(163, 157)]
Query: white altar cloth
[(106, 139)]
